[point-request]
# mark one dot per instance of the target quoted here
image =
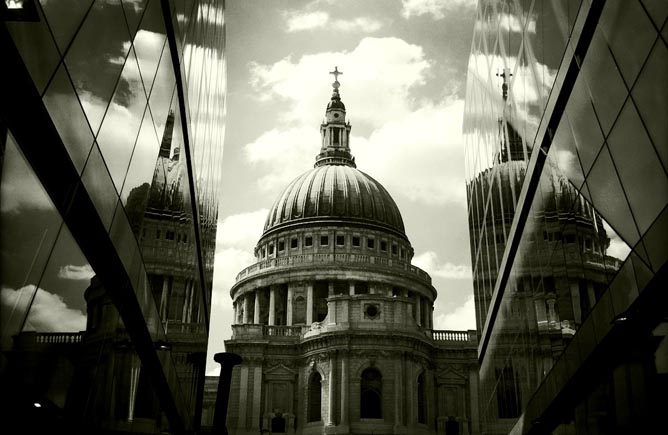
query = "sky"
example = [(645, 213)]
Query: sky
[(404, 66)]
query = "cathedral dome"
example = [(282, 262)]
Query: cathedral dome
[(335, 192)]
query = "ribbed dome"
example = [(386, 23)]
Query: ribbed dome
[(337, 192)]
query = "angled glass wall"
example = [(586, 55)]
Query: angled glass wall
[(567, 187), (112, 126)]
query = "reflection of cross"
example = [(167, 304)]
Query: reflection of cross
[(336, 73), (506, 75)]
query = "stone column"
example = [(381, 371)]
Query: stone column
[(256, 312), (473, 391), (246, 308), (272, 305), (418, 310), (330, 288), (288, 320), (344, 394), (243, 397), (351, 288), (257, 396), (309, 303), (398, 395), (331, 396)]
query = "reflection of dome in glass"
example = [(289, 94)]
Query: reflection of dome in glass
[(336, 193)]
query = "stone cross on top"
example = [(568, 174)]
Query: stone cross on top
[(336, 73)]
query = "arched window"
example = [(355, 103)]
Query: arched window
[(314, 397), (371, 394), (421, 402)]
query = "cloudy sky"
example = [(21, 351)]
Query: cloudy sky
[(404, 71)]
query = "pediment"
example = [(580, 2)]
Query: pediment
[(280, 372), (450, 375)]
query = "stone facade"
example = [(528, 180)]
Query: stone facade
[(334, 324)]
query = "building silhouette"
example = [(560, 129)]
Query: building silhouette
[(334, 324), (567, 191), (111, 126)]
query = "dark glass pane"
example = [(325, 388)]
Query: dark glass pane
[(163, 91), (37, 49), (29, 226), (120, 127), (96, 57), (604, 82), (608, 198), (640, 172), (67, 115), (629, 33), (64, 17), (587, 133), (658, 10), (133, 12), (649, 94), (655, 241), (99, 186)]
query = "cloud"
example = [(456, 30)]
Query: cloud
[(48, 313), (429, 262), (241, 231), (377, 78), (302, 21), (73, 272), (20, 188), (435, 8), (461, 318)]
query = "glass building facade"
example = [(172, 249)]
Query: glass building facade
[(111, 133), (567, 183)]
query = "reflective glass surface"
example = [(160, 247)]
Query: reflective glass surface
[(598, 209)]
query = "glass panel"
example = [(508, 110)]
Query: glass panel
[(637, 163), (587, 133), (149, 42), (29, 227), (603, 80), (119, 130), (67, 114), (37, 49), (98, 183), (564, 153), (609, 199), (64, 18), (96, 57), (658, 10), (163, 91), (649, 95), (59, 305), (655, 241), (133, 12)]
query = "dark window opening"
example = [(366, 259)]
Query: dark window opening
[(371, 394), (356, 241), (169, 235), (308, 241), (336, 136), (294, 243), (271, 249), (394, 249), (157, 234), (340, 240), (324, 240), (370, 243), (278, 424), (361, 288), (403, 253), (281, 246), (452, 427), (314, 397), (383, 245)]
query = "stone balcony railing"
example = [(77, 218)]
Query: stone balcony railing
[(297, 333), (178, 327), (58, 337), (306, 259)]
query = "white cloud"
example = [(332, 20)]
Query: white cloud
[(48, 313), (429, 262), (435, 8), (377, 77), (307, 21), (618, 247), (241, 231), (20, 188), (74, 272), (301, 21), (461, 318)]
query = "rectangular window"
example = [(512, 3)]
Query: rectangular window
[(271, 249), (370, 243), (403, 253), (169, 235), (394, 249), (336, 136), (294, 243), (281, 246), (157, 234), (324, 240), (340, 240), (264, 253), (356, 241), (383, 245), (308, 241)]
